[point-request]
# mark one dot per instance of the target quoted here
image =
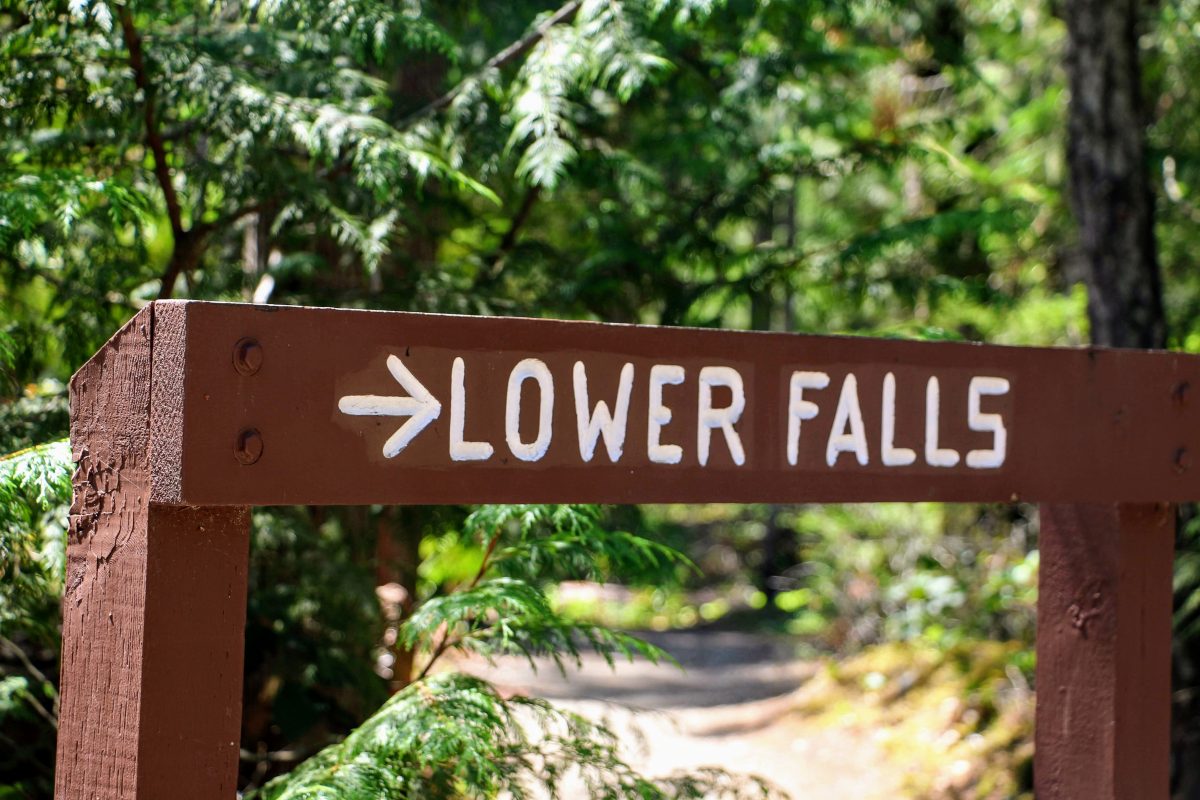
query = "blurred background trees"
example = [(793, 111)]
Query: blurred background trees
[(861, 167)]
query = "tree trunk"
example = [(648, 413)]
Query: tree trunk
[(1110, 186)]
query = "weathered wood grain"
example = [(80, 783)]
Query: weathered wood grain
[(105, 595), (154, 606)]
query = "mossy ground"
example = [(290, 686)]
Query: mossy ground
[(959, 720)]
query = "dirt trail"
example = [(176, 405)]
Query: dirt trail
[(728, 707)]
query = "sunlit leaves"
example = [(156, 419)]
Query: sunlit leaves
[(502, 602), (59, 199), (35, 485), (369, 27), (276, 104), (604, 49), (504, 609), (97, 10)]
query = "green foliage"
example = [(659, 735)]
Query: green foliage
[(847, 576), (849, 166), (454, 736), (450, 735), (937, 573), (35, 486), (603, 49), (1187, 582), (248, 106), (504, 608), (312, 630), (69, 198), (833, 166), (1172, 57), (31, 418), (537, 542)]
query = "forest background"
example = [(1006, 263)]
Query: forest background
[(1017, 172)]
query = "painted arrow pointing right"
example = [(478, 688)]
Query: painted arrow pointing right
[(421, 406)]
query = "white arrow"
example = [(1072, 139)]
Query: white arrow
[(421, 406)]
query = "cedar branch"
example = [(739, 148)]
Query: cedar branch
[(447, 641), (502, 58), (157, 145), (510, 236), (51, 717)]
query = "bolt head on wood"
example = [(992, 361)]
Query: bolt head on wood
[(249, 447), (247, 356)]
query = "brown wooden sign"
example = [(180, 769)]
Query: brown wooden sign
[(195, 411), (291, 405)]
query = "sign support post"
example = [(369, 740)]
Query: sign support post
[(1104, 651), (155, 604), (194, 412)]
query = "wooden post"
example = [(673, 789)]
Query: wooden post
[(154, 610), (1104, 652)]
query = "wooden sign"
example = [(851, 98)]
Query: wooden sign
[(195, 411), (291, 405)]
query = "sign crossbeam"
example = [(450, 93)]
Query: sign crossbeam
[(369, 407)]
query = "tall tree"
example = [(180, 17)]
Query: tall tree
[(1110, 186)]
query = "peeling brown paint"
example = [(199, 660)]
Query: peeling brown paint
[(1080, 617), (106, 584)]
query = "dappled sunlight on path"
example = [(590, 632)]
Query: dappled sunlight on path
[(731, 706)]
